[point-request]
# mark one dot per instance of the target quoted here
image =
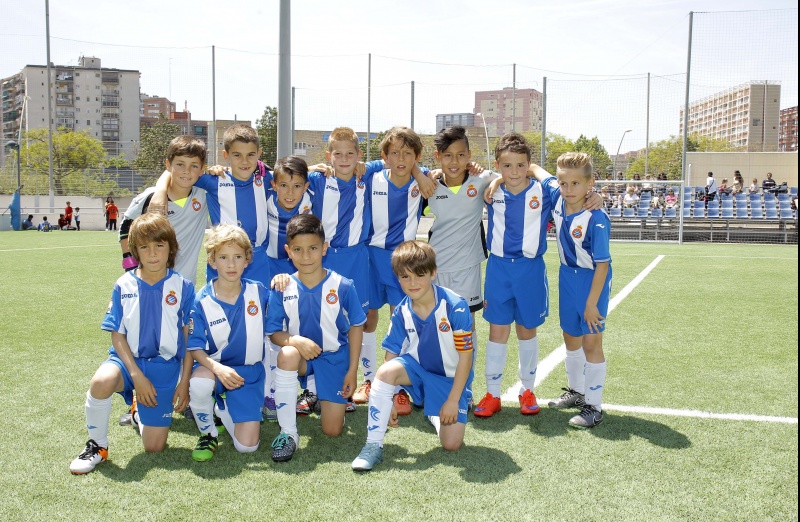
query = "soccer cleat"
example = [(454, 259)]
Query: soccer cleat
[(269, 409), (589, 417), (402, 403), (206, 446), (134, 419), (488, 406), (569, 399), (218, 423), (90, 457), (528, 404), (283, 447), (361, 396), (306, 402), (187, 414), (371, 454), (125, 418), (350, 407)]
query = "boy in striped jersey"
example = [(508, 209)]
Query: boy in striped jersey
[(317, 321), (148, 318), (428, 351), (226, 339), (584, 285)]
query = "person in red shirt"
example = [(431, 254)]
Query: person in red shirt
[(112, 210), (68, 214)]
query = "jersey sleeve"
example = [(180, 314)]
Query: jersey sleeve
[(601, 237), (553, 191), (461, 322), (133, 211), (373, 167), (396, 336), (112, 322), (355, 314), (276, 315), (207, 182), (188, 301), (197, 328)]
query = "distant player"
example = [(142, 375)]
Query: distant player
[(428, 351), (148, 318)]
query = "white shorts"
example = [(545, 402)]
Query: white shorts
[(466, 283)]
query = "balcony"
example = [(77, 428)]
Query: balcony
[(110, 92), (63, 99), (110, 78)]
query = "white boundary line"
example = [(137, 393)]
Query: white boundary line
[(699, 414), (556, 356), (56, 248)]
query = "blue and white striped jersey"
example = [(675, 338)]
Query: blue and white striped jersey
[(518, 223), (323, 314), (583, 238), (231, 334), (343, 208), (151, 317), (434, 342), (277, 221), (395, 211)]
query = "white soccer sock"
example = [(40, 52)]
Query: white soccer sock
[(272, 368), (528, 362), (574, 363), (436, 421), (369, 344), (98, 413), (268, 380), (285, 400), (595, 382), (201, 401), (496, 355), (227, 421), (380, 411), (311, 384), (243, 449)]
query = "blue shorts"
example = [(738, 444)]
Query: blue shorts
[(352, 263), (257, 269), (164, 377), (244, 404), (280, 266), (384, 286), (516, 291), (574, 285), (432, 390), (329, 370)]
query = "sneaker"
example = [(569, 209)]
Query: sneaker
[(488, 406), (90, 457), (269, 410), (187, 414), (205, 448), (371, 454), (125, 418), (306, 402), (134, 421), (361, 396), (589, 417), (528, 404), (402, 403), (569, 399), (283, 447), (350, 407), (218, 423)]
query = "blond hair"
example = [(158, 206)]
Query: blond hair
[(575, 161), (224, 234), (343, 134)]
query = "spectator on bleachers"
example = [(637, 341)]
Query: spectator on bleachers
[(671, 200), (753, 187), (724, 188), (647, 187), (608, 200), (658, 201), (631, 198), (28, 223), (768, 183), (738, 183), (711, 188), (661, 188)]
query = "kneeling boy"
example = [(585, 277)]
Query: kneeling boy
[(428, 351), (317, 321), (227, 340), (148, 318)]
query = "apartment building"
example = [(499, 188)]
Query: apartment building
[(787, 142), (510, 109)]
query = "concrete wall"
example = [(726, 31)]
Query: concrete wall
[(92, 209), (783, 166)]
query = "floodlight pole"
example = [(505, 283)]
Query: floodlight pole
[(618, 148), (486, 133)]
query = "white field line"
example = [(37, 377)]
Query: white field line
[(556, 356), (57, 248), (697, 414)]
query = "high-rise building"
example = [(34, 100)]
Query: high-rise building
[(86, 97), (464, 119), (788, 130), (747, 116), (510, 109)]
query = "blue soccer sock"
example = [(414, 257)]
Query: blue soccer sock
[(98, 413), (574, 363), (380, 411)]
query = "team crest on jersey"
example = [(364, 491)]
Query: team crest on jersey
[(258, 181), (577, 232), (252, 308), (472, 191), (110, 304), (415, 191), (196, 206), (171, 299), (534, 203), (306, 210), (360, 184), (332, 298), (444, 326)]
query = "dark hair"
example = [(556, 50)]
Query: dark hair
[(152, 227), (186, 146), (304, 224), (450, 135), (292, 166), (512, 142), (407, 137), (30, 216)]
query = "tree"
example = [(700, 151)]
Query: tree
[(556, 146), (374, 145), (154, 144), (267, 127), (592, 147), (666, 155), (73, 153)]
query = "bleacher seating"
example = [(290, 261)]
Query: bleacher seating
[(727, 213), (741, 213), (642, 211), (656, 212), (713, 212), (786, 214), (629, 213), (771, 212), (670, 213), (615, 212), (756, 212), (784, 204)]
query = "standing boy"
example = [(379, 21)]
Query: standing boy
[(428, 351), (317, 323), (112, 211), (68, 214), (148, 318), (78, 218), (584, 285), (227, 341)]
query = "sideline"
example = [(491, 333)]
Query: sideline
[(557, 356), (57, 247), (699, 414)]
